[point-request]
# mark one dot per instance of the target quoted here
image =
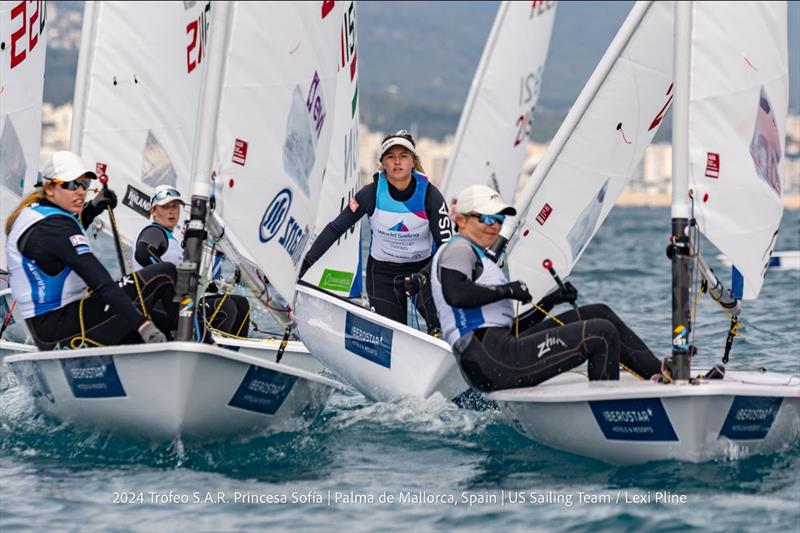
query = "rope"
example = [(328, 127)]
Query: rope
[(548, 315), (84, 340), (141, 298)]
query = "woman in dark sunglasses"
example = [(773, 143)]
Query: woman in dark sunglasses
[(475, 302), (156, 243), (409, 220), (67, 297)]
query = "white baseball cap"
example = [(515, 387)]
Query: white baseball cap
[(397, 140), (65, 166), (482, 200), (165, 194)]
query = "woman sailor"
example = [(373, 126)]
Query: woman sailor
[(156, 243), (475, 302), (67, 297), (408, 219)]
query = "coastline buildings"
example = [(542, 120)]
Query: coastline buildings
[(650, 185)]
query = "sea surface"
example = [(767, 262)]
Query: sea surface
[(425, 465)]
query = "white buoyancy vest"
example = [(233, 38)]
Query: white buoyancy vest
[(35, 291), (458, 321), (400, 230), (174, 253)]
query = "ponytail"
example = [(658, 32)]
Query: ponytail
[(36, 196)]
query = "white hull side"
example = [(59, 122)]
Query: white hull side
[(632, 421), (381, 358), (172, 391)]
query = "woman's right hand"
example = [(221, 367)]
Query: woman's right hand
[(517, 290), (150, 333)]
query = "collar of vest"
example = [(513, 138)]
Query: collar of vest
[(480, 251), (165, 230)]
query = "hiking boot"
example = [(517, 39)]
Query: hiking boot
[(435, 332)]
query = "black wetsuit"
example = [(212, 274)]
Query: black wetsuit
[(384, 278), (109, 313), (229, 313), (493, 358)]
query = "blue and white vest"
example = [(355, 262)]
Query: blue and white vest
[(400, 230), (174, 253), (37, 293), (458, 321)]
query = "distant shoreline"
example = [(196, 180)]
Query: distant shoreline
[(641, 199)]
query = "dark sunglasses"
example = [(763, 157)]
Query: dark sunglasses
[(489, 219), (74, 184)]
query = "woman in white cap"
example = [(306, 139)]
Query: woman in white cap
[(475, 302), (409, 221), (67, 297), (157, 243)]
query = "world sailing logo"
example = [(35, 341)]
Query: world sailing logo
[(400, 226)]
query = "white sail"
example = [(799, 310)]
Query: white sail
[(273, 129), (24, 37), (136, 98), (597, 149), (498, 115), (339, 270), (737, 120)]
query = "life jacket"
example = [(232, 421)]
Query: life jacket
[(400, 230), (458, 321), (174, 253), (35, 291)]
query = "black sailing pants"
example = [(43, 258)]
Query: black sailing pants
[(58, 328), (493, 358), (387, 294)]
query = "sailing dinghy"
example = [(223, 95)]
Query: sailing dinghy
[(730, 90), (186, 390), (386, 360)]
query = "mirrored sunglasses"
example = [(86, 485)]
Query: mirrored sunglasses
[(489, 219), (166, 193)]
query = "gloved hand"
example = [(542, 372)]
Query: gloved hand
[(413, 284), (150, 333), (567, 295), (516, 290), (104, 198)]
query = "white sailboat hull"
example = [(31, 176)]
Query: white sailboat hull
[(632, 421), (171, 391), (381, 358)]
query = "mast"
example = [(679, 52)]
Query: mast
[(573, 118), (204, 140), (680, 246)]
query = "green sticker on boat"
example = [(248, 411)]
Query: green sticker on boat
[(336, 280)]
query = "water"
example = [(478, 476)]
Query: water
[(55, 477)]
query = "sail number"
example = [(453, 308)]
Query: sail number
[(529, 86), (198, 34), (540, 7), (30, 22)]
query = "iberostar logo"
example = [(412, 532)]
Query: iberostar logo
[(400, 226)]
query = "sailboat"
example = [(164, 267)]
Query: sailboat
[(186, 390), (21, 92), (726, 68), (386, 360)]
